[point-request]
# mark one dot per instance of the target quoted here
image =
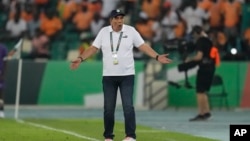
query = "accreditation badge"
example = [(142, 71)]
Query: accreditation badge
[(115, 59)]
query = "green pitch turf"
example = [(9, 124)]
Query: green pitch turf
[(79, 130)]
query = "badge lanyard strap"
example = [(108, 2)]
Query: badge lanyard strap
[(118, 44)]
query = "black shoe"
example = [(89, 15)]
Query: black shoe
[(197, 118), (207, 116)]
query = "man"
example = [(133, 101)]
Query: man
[(116, 42), (3, 54), (206, 61)]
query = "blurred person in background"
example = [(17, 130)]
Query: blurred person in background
[(151, 8), (193, 15), (34, 23), (175, 4), (16, 27), (216, 17), (41, 4), (150, 31), (40, 46), (95, 6), (180, 28), (3, 55), (107, 7), (205, 4), (96, 24), (168, 22), (206, 57), (27, 12), (83, 19), (117, 42), (51, 24), (147, 27), (129, 7), (67, 9), (231, 11)]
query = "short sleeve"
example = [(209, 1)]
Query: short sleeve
[(98, 40), (137, 39)]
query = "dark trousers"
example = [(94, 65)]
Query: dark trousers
[(110, 87)]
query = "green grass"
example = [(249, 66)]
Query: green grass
[(11, 130)]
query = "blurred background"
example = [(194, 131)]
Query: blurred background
[(55, 31)]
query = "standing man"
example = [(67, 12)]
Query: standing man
[(3, 54), (116, 42), (206, 61)]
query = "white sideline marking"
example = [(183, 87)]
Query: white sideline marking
[(58, 130)]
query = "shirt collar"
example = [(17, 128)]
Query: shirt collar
[(111, 29)]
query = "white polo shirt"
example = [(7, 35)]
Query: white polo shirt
[(130, 38)]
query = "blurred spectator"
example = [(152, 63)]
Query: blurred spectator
[(14, 7), (175, 4), (168, 22), (231, 13), (205, 4), (149, 29), (180, 28), (129, 6), (107, 7), (225, 19), (41, 5), (151, 8), (82, 19), (12, 4), (194, 15), (69, 8), (146, 27), (51, 24), (215, 19), (16, 27), (82, 3), (40, 46), (35, 23), (220, 41), (96, 24), (95, 6), (27, 13)]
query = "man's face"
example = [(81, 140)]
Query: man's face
[(117, 21)]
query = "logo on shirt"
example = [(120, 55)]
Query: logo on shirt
[(126, 36)]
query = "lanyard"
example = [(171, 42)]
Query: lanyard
[(118, 44)]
